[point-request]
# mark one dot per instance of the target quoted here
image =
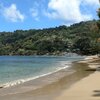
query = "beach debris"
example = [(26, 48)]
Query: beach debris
[(96, 93), (98, 69), (1, 87), (91, 69)]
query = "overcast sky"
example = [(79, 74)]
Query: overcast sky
[(29, 14)]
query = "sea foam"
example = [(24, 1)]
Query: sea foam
[(21, 81)]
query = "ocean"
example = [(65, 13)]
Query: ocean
[(19, 69)]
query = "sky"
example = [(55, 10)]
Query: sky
[(38, 14)]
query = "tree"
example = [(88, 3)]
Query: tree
[(52, 40), (98, 13), (83, 45)]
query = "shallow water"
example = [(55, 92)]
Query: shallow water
[(14, 68)]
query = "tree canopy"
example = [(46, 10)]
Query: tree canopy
[(79, 38)]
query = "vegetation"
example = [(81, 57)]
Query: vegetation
[(98, 13), (82, 38)]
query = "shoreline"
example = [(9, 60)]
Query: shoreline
[(21, 81), (35, 83), (24, 80), (60, 80), (69, 76)]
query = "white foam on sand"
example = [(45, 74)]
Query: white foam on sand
[(20, 81)]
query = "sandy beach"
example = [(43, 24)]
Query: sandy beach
[(75, 83), (87, 88)]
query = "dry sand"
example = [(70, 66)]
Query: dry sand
[(86, 89)]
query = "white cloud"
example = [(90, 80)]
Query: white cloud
[(91, 2), (12, 13), (1, 7), (69, 11), (35, 10), (35, 13)]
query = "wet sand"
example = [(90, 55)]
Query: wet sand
[(48, 87)]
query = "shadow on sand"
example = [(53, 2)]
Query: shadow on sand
[(96, 93)]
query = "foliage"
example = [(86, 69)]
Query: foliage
[(79, 38)]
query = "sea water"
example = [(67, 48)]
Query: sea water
[(18, 69)]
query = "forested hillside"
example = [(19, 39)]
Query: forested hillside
[(82, 38)]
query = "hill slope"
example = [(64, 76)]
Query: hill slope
[(80, 38)]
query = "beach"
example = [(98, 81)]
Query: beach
[(86, 89), (73, 83)]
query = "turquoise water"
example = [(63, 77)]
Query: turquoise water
[(14, 68)]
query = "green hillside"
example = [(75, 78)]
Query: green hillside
[(82, 38)]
